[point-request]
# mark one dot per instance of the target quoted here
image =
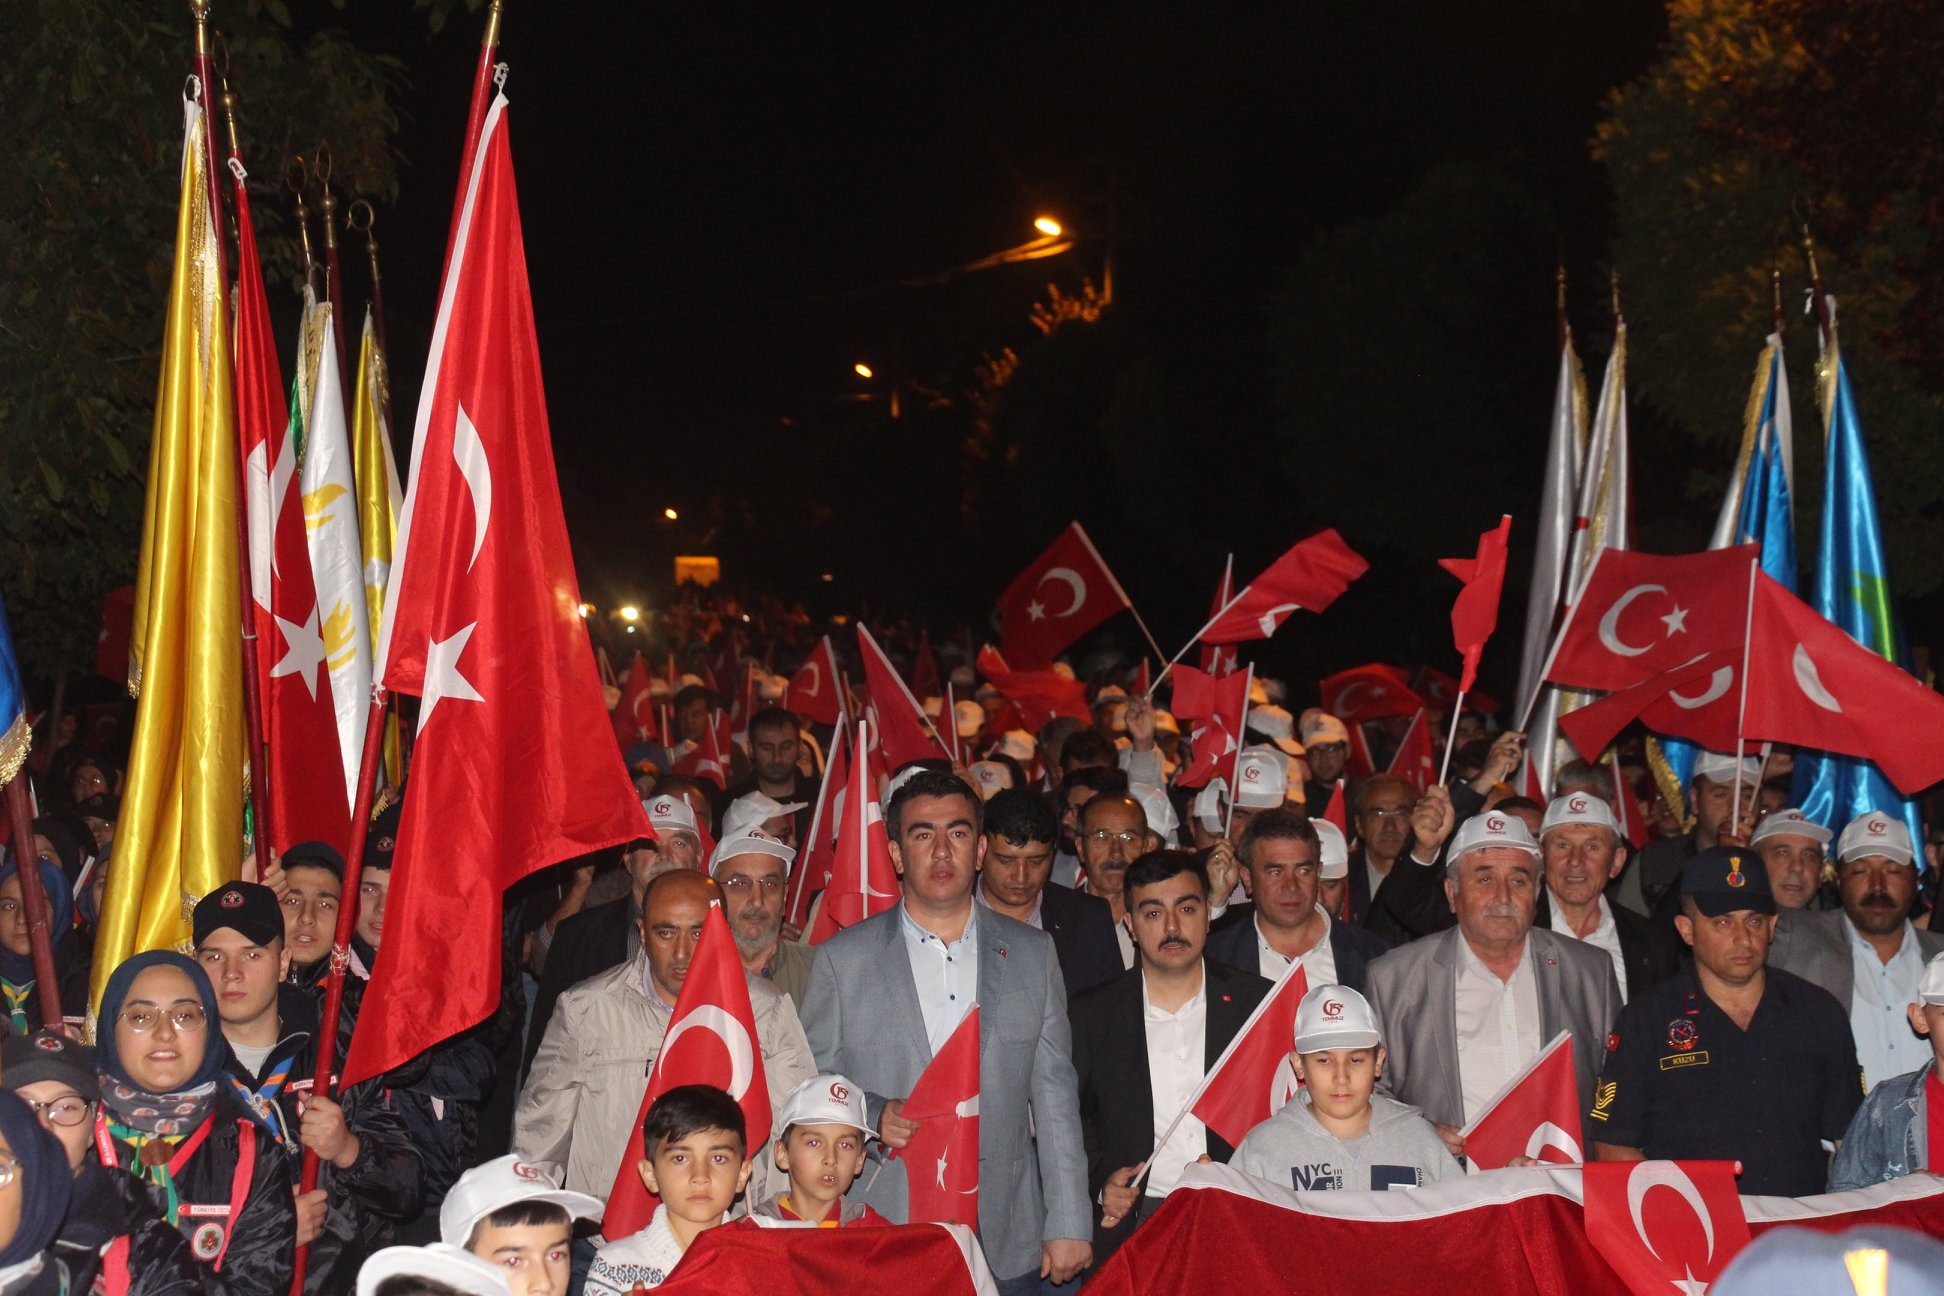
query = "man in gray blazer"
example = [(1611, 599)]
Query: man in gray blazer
[(886, 993), (1465, 1010)]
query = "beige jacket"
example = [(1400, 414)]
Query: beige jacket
[(583, 1093)]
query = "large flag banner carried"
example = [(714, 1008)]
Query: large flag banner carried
[(482, 622), (754, 1256), (1061, 595)]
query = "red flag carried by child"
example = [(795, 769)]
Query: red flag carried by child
[(1677, 1239), (942, 1159)]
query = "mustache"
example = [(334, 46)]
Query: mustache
[(1500, 911), (1173, 941), (1877, 900)]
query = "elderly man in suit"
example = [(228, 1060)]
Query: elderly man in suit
[(1282, 868), (1584, 852), (1867, 954), (1021, 833), (886, 993), (1465, 1010)]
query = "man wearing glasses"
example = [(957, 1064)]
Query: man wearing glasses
[(1113, 833), (751, 868)]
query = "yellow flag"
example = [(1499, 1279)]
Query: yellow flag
[(379, 498), (181, 829)]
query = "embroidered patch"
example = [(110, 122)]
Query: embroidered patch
[(1681, 1034), (1613, 1041), (1676, 1060), (1603, 1095), (207, 1241)]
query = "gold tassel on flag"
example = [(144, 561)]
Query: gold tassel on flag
[(181, 830)]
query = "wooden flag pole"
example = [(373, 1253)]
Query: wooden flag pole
[(39, 940)]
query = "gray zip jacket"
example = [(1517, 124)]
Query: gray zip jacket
[(1400, 1150)]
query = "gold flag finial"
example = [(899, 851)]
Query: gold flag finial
[(491, 38), (367, 229)]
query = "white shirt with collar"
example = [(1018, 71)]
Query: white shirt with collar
[(1498, 1025), (1176, 1044), (1319, 961), (947, 976), (1606, 936), (1880, 996)]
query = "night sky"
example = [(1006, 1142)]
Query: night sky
[(713, 198)]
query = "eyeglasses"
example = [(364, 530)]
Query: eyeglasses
[(9, 1168), (1103, 837), (69, 1111), (741, 884), (1382, 816), (185, 1017)]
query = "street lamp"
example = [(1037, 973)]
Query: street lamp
[(670, 514), (1048, 226), (862, 370), (630, 613), (586, 610)]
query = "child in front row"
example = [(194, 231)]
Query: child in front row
[(1889, 1136), (822, 1149), (696, 1159), (1338, 1133)]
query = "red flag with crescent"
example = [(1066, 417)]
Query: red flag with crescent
[(1640, 614), (942, 1158), (1372, 692), (862, 880), (813, 691), (1537, 1114), (1252, 1079), (635, 717), (711, 1040), (1664, 1225), (1061, 595), (899, 730), (1309, 577)]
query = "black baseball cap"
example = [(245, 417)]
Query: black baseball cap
[(45, 1055), (246, 907), (381, 839), (1727, 879)]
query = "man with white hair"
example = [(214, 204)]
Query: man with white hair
[(678, 839), (752, 869), (1791, 845), (1469, 1007), (1582, 851)]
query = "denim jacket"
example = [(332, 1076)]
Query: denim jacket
[(1886, 1138)]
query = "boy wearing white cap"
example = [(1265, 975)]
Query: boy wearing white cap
[(433, 1270), (825, 1134), (1339, 1132), (513, 1215), (1889, 1136)]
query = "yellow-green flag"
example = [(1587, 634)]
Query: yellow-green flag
[(181, 829), (379, 499)]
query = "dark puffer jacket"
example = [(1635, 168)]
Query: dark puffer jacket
[(114, 1232)]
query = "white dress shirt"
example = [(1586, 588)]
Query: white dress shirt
[(947, 976), (1319, 961), (1126, 939), (1175, 1053), (1880, 996), (1605, 936), (1498, 1026)]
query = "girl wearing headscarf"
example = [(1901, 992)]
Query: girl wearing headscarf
[(19, 989), (35, 1188), (168, 1118)]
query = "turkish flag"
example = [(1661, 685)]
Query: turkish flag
[(818, 853), (1061, 595), (1536, 1115), (1221, 659), (1311, 575), (1216, 743), (813, 689), (899, 727), (1475, 613), (862, 880), (1440, 693), (711, 1039), (1337, 812), (635, 718), (1812, 685), (925, 680), (709, 759), (1252, 1079), (1640, 614), (1696, 700), (1365, 693), (1038, 695), (515, 766), (942, 1158), (754, 1256), (1416, 758), (1678, 1239)]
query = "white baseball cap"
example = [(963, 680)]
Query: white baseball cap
[(671, 814), (496, 1184), (1334, 865), (750, 840), (827, 1099), (1207, 806), (1875, 833), (1494, 828), (769, 688), (1277, 725), (1161, 817), (1930, 986), (1262, 781), (970, 717), (1719, 767), (753, 810), (990, 776), (440, 1262), (1018, 744), (1579, 808), (1789, 823), (934, 706), (1332, 1017), (1319, 726)]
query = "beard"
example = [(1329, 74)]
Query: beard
[(755, 932)]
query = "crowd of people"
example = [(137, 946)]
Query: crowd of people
[(1749, 986)]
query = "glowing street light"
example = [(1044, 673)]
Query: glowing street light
[(670, 514), (861, 369), (1049, 227), (630, 613), (586, 610)]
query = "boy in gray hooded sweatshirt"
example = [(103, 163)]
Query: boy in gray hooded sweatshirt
[(1345, 1135)]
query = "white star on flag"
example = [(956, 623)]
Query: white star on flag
[(304, 651), (1676, 621), (442, 677), (1036, 610)]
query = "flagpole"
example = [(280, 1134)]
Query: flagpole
[(1114, 580), (1192, 641), (802, 873), (1457, 709), (1235, 766), (257, 766), (476, 114), (1741, 712), (347, 921), (333, 276), (1552, 655), (39, 940)]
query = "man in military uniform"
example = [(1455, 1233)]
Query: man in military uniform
[(1730, 1059)]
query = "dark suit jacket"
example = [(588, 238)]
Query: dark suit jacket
[(1647, 951), (1082, 928), (1110, 1061), (1352, 947), (590, 942)]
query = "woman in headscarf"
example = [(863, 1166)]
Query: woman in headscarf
[(169, 1119), (20, 998), (35, 1188)]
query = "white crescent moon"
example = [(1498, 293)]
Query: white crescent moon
[(1073, 583), (814, 669), (1545, 1135), (1610, 623), (1717, 685), (742, 1053), (469, 453), (1274, 617), (1343, 698), (1810, 682), (1282, 1085), (1666, 1174)]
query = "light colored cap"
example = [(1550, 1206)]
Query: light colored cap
[(1063, 669), (1018, 744), (828, 1099), (1161, 817), (1579, 808), (990, 776), (934, 706), (1277, 690), (898, 780), (970, 717), (1164, 722), (1334, 866), (439, 1262), (753, 810), (1719, 767), (1258, 693), (962, 677), (1492, 829), (1263, 779), (1875, 833), (1332, 1017), (1278, 726), (671, 814), (1930, 986), (1207, 806), (1319, 726), (685, 681), (750, 840), (1789, 823), (499, 1183), (658, 687), (1110, 693)]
